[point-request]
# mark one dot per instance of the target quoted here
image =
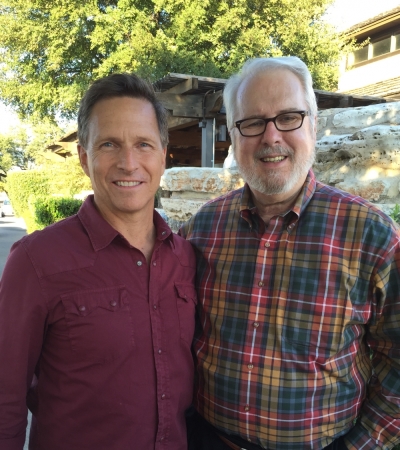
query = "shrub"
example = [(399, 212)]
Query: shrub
[(395, 214), (48, 210), (22, 188)]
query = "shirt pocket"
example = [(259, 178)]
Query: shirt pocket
[(99, 323), (186, 303)]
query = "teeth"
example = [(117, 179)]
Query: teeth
[(127, 183), (275, 159)]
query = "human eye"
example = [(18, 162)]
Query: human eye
[(288, 118), (252, 123), (107, 145)]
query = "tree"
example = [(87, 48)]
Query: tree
[(12, 153), (25, 145), (51, 51)]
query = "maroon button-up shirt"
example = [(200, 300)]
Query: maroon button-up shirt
[(107, 335)]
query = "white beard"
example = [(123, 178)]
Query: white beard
[(272, 182)]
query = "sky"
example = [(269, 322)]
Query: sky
[(343, 14)]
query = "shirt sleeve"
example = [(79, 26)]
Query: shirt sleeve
[(22, 326), (379, 423)]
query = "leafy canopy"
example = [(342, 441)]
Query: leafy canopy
[(52, 50)]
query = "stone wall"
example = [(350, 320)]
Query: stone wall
[(358, 150)]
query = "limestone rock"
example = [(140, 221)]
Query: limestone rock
[(378, 145), (196, 179), (179, 210), (374, 191)]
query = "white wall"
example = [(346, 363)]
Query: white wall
[(370, 73)]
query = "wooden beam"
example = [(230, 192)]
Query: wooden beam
[(205, 79), (182, 105), (192, 105), (346, 101), (213, 103), (177, 123), (184, 87)]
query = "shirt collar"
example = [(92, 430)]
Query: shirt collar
[(101, 233), (304, 197)]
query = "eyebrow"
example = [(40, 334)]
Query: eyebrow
[(110, 138), (282, 111)]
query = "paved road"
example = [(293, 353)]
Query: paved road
[(11, 230)]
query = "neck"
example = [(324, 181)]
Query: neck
[(137, 228), (269, 206)]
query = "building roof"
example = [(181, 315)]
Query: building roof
[(203, 84), (384, 20)]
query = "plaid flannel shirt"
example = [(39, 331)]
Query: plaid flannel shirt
[(289, 316)]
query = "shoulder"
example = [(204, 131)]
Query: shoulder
[(181, 245), (335, 202), (59, 247), (214, 210), (59, 233)]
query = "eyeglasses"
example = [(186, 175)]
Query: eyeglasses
[(283, 122)]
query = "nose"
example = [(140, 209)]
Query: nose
[(127, 159), (271, 135)]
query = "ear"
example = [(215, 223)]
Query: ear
[(164, 150), (83, 158)]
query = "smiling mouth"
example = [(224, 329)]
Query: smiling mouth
[(127, 183), (273, 159)]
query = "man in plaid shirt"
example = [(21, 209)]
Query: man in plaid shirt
[(299, 287)]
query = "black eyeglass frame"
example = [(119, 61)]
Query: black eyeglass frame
[(272, 119)]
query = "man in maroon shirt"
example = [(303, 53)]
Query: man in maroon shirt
[(99, 308)]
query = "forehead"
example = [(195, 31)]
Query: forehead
[(122, 115), (134, 107), (269, 93)]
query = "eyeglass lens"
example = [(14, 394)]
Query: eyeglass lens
[(283, 122)]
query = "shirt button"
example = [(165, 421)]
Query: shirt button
[(261, 283), (139, 263), (163, 397), (247, 408), (155, 306), (267, 244), (161, 438), (256, 324), (250, 366), (113, 303), (154, 263), (163, 233), (82, 308), (159, 351)]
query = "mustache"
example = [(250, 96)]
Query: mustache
[(278, 150)]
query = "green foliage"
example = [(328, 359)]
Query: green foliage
[(12, 150), (22, 188), (51, 51), (395, 213), (26, 188), (67, 177), (48, 210)]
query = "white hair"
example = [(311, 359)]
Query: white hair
[(259, 65)]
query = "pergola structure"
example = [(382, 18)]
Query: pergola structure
[(197, 127)]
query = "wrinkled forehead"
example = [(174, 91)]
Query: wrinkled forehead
[(270, 92)]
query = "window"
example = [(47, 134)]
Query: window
[(381, 47), (361, 55)]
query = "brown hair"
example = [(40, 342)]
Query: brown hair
[(120, 85)]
